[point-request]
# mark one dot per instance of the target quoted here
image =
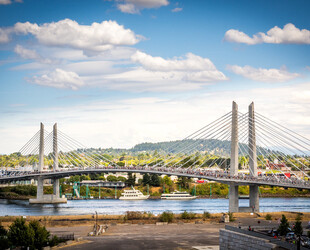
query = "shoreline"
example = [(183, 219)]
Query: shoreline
[(146, 218), (158, 197)]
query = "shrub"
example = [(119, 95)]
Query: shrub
[(231, 216), (268, 217), (188, 216), (133, 215), (20, 234), (166, 216), (284, 225), (4, 242), (41, 235), (298, 227), (206, 215)]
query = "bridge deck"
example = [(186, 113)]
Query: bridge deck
[(211, 176)]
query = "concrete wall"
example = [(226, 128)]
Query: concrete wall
[(238, 241)]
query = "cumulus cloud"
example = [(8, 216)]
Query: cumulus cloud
[(191, 68), (177, 9), (59, 79), (288, 35), (263, 75), (4, 35), (68, 33), (156, 119), (30, 54), (134, 6), (5, 2)]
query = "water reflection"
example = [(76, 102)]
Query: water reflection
[(110, 206)]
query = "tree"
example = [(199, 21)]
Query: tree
[(284, 225), (155, 180), (41, 235), (121, 178), (112, 178), (298, 227), (20, 234), (167, 180), (184, 182), (146, 179), (131, 180), (4, 242)]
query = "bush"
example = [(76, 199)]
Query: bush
[(206, 215), (188, 216), (231, 216), (4, 241), (298, 227), (284, 225), (166, 216), (133, 215), (20, 234), (268, 217), (41, 235)]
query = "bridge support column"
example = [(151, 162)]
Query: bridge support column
[(254, 193), (51, 198), (233, 198), (233, 188)]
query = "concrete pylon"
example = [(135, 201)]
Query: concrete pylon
[(254, 192), (55, 165), (233, 188), (48, 198), (41, 162)]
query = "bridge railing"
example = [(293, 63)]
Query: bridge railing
[(224, 176)]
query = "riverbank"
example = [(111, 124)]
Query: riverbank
[(148, 218), (203, 191)]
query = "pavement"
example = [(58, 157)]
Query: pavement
[(149, 236)]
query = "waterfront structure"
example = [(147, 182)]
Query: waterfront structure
[(232, 121), (178, 195), (41, 197), (133, 194)]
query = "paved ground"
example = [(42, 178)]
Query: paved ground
[(150, 236), (131, 236)]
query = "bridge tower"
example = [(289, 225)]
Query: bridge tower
[(41, 197), (233, 187), (254, 193)]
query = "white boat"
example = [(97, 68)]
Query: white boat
[(177, 195), (133, 195)]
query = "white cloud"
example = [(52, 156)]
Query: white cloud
[(30, 54), (288, 35), (59, 79), (263, 75), (68, 33), (4, 35), (192, 68), (177, 9), (126, 122), (134, 6), (5, 2)]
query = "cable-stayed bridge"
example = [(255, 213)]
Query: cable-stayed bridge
[(255, 143)]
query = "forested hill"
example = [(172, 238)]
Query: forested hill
[(186, 146)]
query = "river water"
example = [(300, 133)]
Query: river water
[(111, 206)]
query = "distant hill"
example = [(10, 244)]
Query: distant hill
[(186, 146), (212, 146)]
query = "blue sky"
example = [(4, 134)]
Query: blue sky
[(109, 71)]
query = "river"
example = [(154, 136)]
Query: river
[(111, 206)]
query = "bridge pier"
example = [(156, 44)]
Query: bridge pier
[(233, 187), (41, 197)]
